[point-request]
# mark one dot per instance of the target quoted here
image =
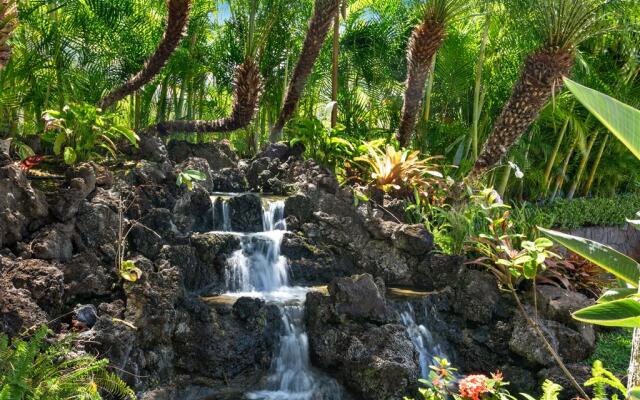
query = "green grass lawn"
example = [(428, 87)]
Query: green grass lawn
[(614, 350)]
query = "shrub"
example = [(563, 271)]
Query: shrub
[(615, 347), (34, 369)]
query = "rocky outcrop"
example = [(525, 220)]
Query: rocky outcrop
[(355, 334), (23, 209)]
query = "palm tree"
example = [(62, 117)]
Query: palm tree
[(563, 24), (176, 25), (8, 22), (425, 41), (323, 15), (246, 95)]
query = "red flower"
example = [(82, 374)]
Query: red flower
[(473, 386)]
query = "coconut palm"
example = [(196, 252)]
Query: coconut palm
[(563, 24), (176, 25), (8, 22), (323, 15), (425, 41)]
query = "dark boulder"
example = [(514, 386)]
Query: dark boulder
[(81, 183), (219, 155), (414, 239), (97, 226), (43, 281), (153, 231), (18, 312), (53, 242), (152, 148), (193, 211), (200, 165), (214, 247), (478, 299), (196, 275), (245, 212), (348, 335), (23, 209), (86, 277), (229, 180), (299, 206)]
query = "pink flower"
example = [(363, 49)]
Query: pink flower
[(473, 386)]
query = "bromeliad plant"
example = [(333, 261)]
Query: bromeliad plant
[(400, 171), (80, 131)]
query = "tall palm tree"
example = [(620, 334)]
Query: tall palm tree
[(8, 22), (563, 24), (176, 25), (425, 41), (246, 95), (323, 15)]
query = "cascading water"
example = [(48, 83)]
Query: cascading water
[(226, 213), (259, 270), (422, 340)]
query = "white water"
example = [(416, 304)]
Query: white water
[(226, 213), (422, 340), (259, 270)]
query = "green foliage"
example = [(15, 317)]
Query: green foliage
[(35, 369), (615, 348), (79, 132), (572, 214), (187, 177), (128, 271), (601, 380)]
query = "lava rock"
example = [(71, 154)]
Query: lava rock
[(414, 239), (219, 155), (299, 206), (193, 212), (246, 308), (246, 213), (478, 297), (23, 209), (358, 298), (53, 242), (581, 373), (18, 311), (197, 164), (196, 276), (213, 247), (229, 180), (81, 183), (153, 231), (43, 281), (86, 277), (152, 148)]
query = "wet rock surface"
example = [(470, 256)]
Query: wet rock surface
[(59, 254)]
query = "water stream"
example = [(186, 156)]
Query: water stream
[(258, 269), (422, 339)]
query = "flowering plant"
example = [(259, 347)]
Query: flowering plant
[(443, 384)]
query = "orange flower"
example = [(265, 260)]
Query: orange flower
[(497, 376), (473, 386)]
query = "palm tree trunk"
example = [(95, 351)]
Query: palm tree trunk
[(596, 164), (247, 91), (8, 23), (176, 26), (540, 78), (334, 74), (323, 15), (581, 168), (425, 41)]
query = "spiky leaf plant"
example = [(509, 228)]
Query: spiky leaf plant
[(8, 23), (425, 41), (177, 22), (563, 24), (246, 96), (324, 12)]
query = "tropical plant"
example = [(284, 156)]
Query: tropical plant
[(576, 274), (425, 41), (188, 176), (8, 22), (79, 131), (563, 25), (39, 368), (323, 15), (401, 171), (176, 25), (619, 306)]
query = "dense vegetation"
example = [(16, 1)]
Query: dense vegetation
[(431, 103)]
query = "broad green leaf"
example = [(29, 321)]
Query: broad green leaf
[(57, 144), (195, 174), (69, 156), (617, 294), (619, 313), (129, 271), (606, 257), (634, 394), (621, 119)]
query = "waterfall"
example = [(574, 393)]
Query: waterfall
[(292, 376), (226, 213), (258, 269), (422, 340)]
